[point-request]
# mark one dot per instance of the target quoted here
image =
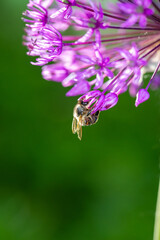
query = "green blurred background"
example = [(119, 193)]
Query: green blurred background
[(54, 187)]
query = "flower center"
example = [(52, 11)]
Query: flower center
[(140, 10)]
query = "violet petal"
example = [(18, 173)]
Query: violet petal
[(78, 89)]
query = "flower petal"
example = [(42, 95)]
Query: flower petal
[(131, 21), (78, 89), (86, 36), (143, 21), (99, 79), (147, 3), (54, 72)]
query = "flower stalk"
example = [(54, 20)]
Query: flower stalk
[(156, 235)]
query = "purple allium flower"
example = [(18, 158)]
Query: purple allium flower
[(93, 23), (131, 59), (36, 17), (48, 46), (137, 10), (133, 64), (101, 67), (90, 59), (97, 67)]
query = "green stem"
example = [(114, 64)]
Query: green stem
[(157, 217)]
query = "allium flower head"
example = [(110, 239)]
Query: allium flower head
[(94, 62)]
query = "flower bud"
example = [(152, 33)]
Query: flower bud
[(142, 96)]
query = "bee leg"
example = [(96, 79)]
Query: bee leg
[(79, 131), (88, 113), (74, 125)]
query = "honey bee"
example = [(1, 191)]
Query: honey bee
[(82, 117)]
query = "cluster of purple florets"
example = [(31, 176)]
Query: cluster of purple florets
[(100, 52)]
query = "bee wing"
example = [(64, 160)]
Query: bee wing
[(77, 127), (74, 125), (79, 130)]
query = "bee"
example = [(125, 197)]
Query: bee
[(82, 117)]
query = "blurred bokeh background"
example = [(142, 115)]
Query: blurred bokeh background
[(54, 187)]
